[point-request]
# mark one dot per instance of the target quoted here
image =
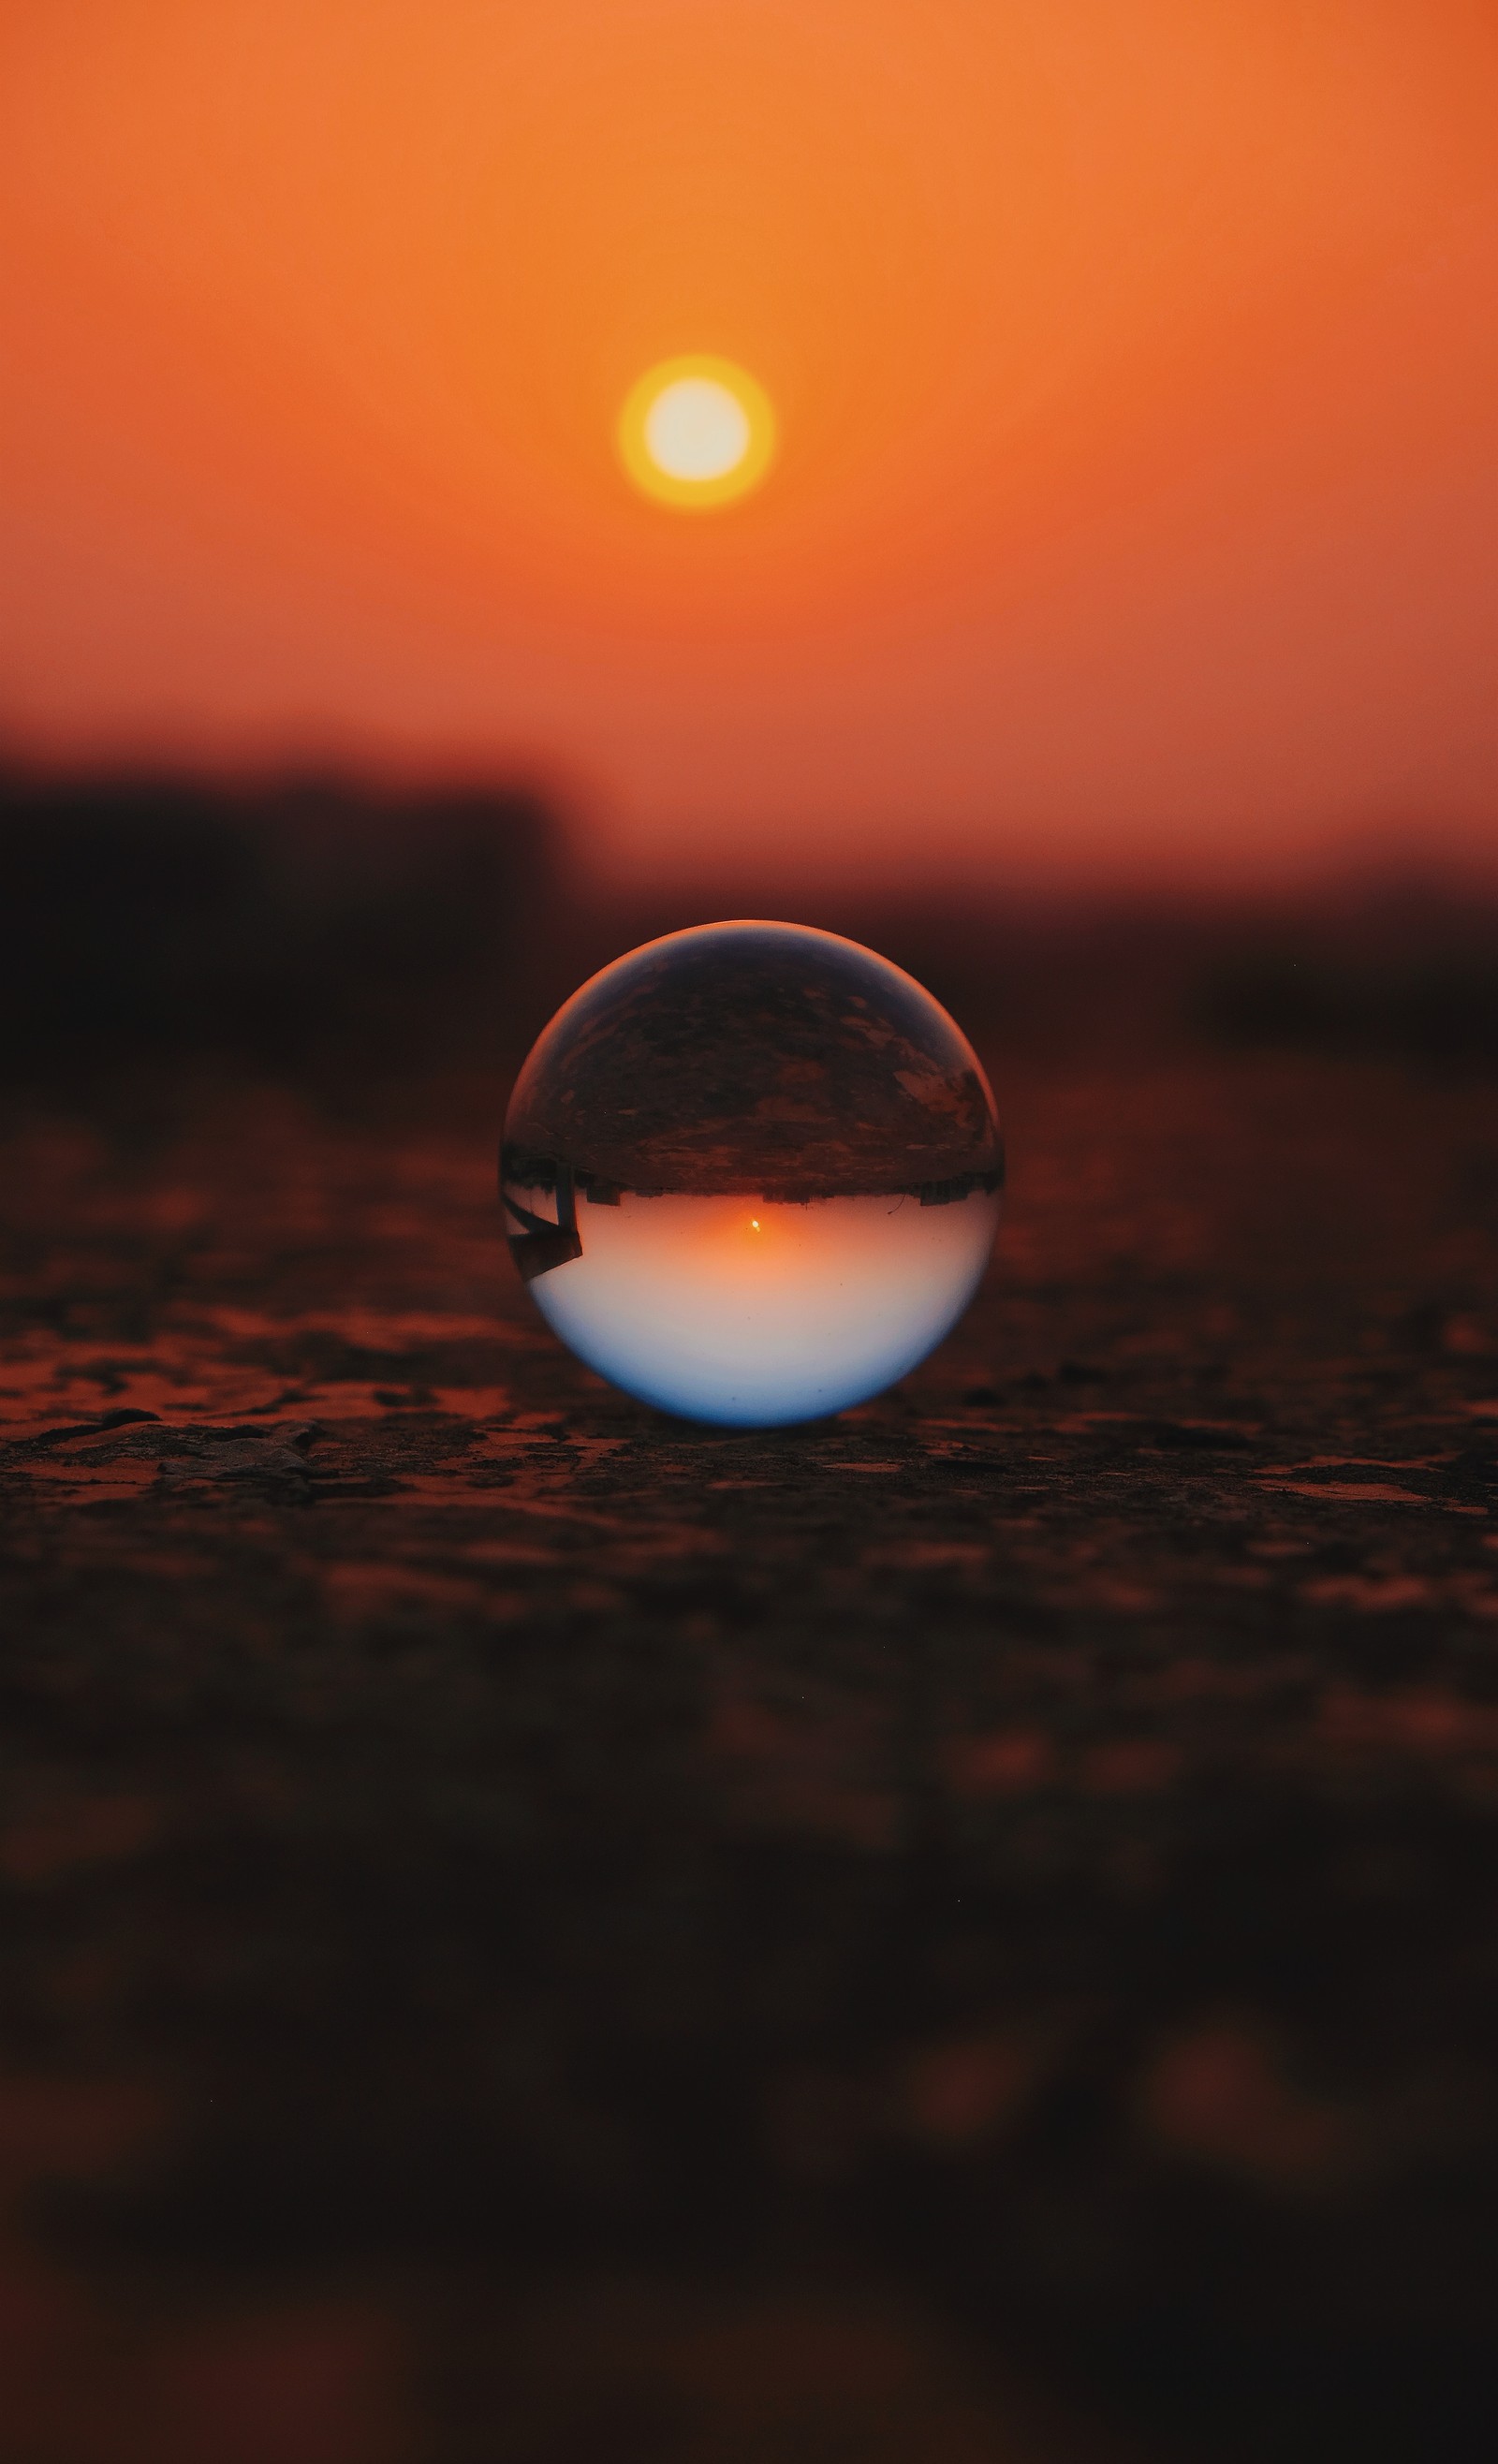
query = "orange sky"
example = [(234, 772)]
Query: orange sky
[(1135, 360)]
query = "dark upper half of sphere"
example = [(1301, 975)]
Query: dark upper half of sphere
[(757, 1059)]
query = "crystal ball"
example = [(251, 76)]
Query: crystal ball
[(750, 1173)]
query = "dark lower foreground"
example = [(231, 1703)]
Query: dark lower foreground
[(965, 1932)]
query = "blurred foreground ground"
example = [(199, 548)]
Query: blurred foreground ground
[(960, 1935)]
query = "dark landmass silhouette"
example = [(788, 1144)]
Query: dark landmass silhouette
[(966, 1929), (324, 928)]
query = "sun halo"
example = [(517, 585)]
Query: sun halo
[(696, 431)]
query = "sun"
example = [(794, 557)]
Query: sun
[(695, 432)]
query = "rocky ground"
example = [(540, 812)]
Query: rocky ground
[(960, 1934)]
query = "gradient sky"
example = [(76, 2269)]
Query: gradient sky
[(1134, 359)]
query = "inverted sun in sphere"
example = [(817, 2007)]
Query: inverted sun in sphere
[(751, 1173), (697, 432)]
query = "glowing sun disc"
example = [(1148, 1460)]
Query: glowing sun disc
[(695, 432)]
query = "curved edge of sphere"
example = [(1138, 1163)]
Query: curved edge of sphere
[(754, 1170)]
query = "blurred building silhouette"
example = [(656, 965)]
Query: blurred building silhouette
[(288, 923)]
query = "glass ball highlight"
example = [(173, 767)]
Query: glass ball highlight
[(751, 1173)]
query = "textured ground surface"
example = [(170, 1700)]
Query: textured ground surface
[(966, 1932)]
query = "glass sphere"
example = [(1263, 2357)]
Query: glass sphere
[(750, 1173)]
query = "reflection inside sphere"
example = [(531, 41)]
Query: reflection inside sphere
[(750, 1173)]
